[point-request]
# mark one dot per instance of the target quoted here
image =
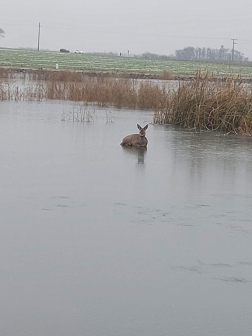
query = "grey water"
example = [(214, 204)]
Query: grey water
[(101, 240)]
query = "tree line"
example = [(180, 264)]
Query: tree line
[(221, 54), (202, 54), (195, 54)]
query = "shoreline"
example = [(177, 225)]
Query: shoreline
[(121, 74)]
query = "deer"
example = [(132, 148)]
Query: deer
[(136, 140)]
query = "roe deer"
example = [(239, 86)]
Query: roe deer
[(136, 140)]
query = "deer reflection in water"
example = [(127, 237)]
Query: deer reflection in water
[(138, 152)]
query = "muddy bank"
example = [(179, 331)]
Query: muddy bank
[(43, 73), (116, 74)]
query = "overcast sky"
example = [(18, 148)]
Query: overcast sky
[(158, 26)]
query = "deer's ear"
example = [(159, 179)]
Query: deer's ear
[(145, 127), (139, 127)]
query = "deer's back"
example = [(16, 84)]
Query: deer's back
[(135, 140)]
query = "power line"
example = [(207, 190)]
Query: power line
[(95, 30)]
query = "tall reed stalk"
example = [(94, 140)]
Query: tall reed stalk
[(205, 104)]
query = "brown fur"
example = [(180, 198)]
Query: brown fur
[(136, 140)]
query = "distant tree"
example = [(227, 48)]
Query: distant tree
[(222, 54), (198, 53), (1, 32), (190, 53), (203, 53)]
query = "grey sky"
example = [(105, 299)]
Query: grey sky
[(158, 26)]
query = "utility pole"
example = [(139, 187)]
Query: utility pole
[(39, 35), (233, 49)]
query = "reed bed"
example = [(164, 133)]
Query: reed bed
[(4, 73), (167, 75), (205, 104), (119, 92), (102, 91), (56, 76), (18, 93)]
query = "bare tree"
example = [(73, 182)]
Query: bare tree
[(222, 54), (1, 32)]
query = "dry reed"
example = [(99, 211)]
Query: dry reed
[(80, 113), (205, 104), (166, 75), (4, 73), (119, 92)]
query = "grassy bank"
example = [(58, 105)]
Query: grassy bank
[(31, 59)]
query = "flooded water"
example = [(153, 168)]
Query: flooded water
[(101, 240)]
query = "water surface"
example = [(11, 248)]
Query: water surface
[(98, 240)]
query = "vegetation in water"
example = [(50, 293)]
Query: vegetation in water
[(205, 104), (120, 92)]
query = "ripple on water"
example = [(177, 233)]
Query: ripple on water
[(234, 280)]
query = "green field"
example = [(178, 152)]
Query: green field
[(90, 62)]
